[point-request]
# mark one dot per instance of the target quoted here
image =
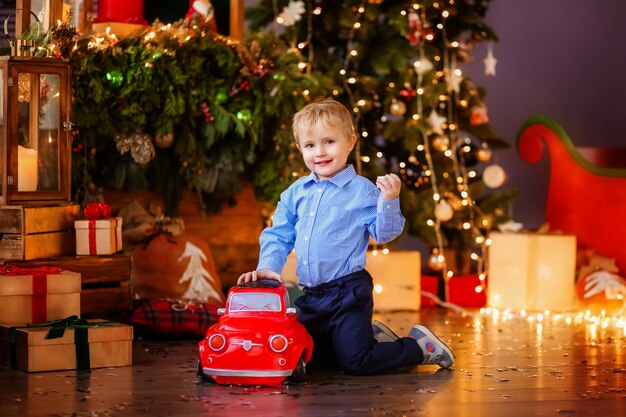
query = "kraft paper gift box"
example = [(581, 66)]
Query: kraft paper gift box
[(98, 237), (36, 295), (532, 271), (396, 278), (82, 345)]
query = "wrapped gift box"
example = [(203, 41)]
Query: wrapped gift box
[(430, 284), (462, 291), (532, 271), (396, 278), (98, 237), (108, 344), (36, 295)]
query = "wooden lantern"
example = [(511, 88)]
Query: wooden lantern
[(35, 131)]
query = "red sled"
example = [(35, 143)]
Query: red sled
[(587, 187)]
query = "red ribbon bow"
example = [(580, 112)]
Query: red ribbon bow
[(39, 304), (97, 211), (12, 270)]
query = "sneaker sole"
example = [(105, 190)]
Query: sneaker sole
[(430, 334), (386, 330)]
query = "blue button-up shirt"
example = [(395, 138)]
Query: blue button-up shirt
[(328, 223)]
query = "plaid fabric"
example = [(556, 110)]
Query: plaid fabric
[(164, 317)]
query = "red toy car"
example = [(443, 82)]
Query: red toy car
[(257, 340)]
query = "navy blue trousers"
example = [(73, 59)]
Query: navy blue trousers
[(338, 315)]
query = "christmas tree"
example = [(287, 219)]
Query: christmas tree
[(397, 65)]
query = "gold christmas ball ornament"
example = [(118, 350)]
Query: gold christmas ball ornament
[(397, 108), (494, 176), (436, 262), (441, 143), (443, 211), (164, 141), (484, 154)]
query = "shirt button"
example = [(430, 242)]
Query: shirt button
[(306, 238), (388, 206), (305, 263), (311, 214), (319, 190)]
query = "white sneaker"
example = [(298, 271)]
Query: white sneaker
[(383, 333), (435, 351)]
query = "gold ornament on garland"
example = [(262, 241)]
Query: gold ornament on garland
[(397, 108), (164, 141), (141, 148), (139, 144)]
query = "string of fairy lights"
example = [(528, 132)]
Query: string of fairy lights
[(443, 128)]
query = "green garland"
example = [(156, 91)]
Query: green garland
[(180, 106)]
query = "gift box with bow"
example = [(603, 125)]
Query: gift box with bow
[(70, 343), (99, 233), (34, 295)]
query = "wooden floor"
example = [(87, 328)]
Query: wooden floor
[(503, 368)]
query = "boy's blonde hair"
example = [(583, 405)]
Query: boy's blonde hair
[(322, 110)]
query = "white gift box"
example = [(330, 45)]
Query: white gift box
[(532, 271), (396, 278), (98, 237)]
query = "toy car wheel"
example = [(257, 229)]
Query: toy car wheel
[(202, 377), (300, 371)]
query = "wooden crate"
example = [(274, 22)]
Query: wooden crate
[(38, 231), (105, 282)]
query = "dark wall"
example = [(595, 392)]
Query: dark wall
[(561, 58)]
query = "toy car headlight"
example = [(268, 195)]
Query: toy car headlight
[(217, 342), (278, 343)]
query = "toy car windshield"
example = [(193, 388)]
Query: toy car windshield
[(253, 301)]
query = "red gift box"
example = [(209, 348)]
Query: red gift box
[(430, 283), (462, 291)]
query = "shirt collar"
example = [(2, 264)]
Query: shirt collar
[(342, 178)]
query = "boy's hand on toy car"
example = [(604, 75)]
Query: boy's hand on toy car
[(254, 275), (389, 186)]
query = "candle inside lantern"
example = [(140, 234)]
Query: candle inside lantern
[(26, 169)]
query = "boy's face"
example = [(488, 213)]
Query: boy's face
[(326, 149)]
